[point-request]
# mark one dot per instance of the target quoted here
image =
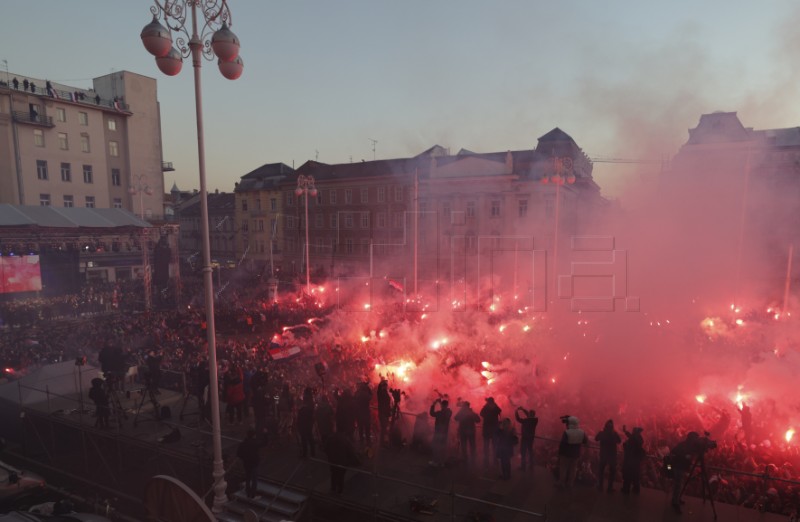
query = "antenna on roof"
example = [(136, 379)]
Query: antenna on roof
[(374, 142), (316, 155)]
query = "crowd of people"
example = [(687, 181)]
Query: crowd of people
[(329, 397)]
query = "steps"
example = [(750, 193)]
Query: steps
[(275, 505)]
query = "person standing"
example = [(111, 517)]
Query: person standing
[(490, 413), (528, 426), (467, 419), (341, 454), (384, 410), (248, 453), (305, 425), (441, 427), (569, 450), (681, 457), (324, 417), (234, 394), (609, 439), (632, 457), (100, 398), (506, 440), (363, 398)]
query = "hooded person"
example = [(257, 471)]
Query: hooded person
[(490, 413), (609, 439), (632, 456), (569, 450)]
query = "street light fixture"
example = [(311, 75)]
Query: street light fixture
[(157, 39), (305, 185)]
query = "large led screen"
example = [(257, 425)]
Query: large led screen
[(20, 274)]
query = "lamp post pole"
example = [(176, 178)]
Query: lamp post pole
[(305, 184), (224, 44), (140, 188)]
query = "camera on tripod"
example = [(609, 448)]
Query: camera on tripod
[(565, 418), (704, 443)]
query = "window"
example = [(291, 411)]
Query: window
[(258, 203), (85, 143), (332, 196), (290, 198), (365, 220), (117, 202), (348, 196), (83, 118), (61, 114), (112, 124), (244, 204), (273, 204), (319, 197), (381, 220), (319, 221), (381, 194), (66, 172), (549, 206), (89, 201), (260, 225), (470, 209), (69, 202), (44, 200), (289, 221), (495, 209), (113, 149), (38, 137), (348, 245), (63, 141), (398, 194), (397, 220), (365, 246), (447, 212), (41, 169), (364, 195), (523, 208), (116, 178), (88, 177), (245, 225), (348, 220), (334, 221)]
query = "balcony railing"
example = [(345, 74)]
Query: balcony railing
[(33, 119)]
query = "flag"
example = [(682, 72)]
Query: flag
[(52, 92), (73, 97), (396, 285), (117, 106), (286, 352)]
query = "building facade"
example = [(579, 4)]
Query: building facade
[(221, 226), (440, 217), (260, 217), (100, 147)]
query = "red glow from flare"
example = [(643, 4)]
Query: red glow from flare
[(789, 434), (701, 398)]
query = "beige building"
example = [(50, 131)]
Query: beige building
[(99, 147)]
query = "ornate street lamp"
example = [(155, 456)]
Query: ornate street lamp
[(305, 185), (213, 39)]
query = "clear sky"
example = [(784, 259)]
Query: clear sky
[(322, 79)]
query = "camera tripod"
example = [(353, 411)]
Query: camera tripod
[(698, 468), (148, 392)]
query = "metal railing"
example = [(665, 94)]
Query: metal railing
[(33, 119)]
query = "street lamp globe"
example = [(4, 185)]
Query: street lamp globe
[(231, 70), (313, 192), (298, 192), (171, 64), (156, 39), (225, 44)]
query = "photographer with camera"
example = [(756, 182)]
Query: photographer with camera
[(569, 450), (679, 463), (528, 425)]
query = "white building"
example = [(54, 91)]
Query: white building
[(100, 147)]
